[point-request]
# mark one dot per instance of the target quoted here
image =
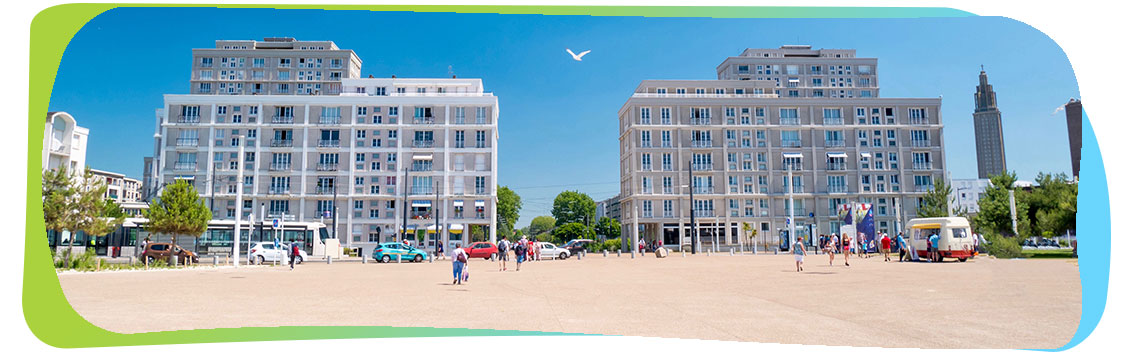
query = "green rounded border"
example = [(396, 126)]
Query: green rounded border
[(52, 319)]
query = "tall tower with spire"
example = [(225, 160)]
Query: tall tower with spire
[(988, 130)]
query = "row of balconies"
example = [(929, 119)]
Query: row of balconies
[(787, 143), (323, 120), (783, 121), (192, 142)]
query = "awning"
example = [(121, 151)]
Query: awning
[(479, 203), (422, 157), (927, 226), (793, 155), (837, 154), (431, 228), (794, 80), (456, 228), (865, 154), (421, 203), (411, 228), (458, 203), (184, 177)]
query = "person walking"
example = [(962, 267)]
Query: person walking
[(439, 251), (293, 254), (537, 250), (520, 253), (845, 241), (458, 262), (503, 255), (885, 247), (799, 253), (829, 249)]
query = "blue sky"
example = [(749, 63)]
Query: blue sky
[(558, 125)]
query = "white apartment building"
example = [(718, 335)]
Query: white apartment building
[(346, 147), (734, 140), (64, 143), (119, 188), (966, 193)]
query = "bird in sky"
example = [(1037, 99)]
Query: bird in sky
[(577, 57)]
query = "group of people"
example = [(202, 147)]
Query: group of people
[(845, 245), (524, 250)]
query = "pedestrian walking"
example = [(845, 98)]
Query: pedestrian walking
[(439, 251), (293, 254), (458, 262), (799, 253), (503, 255), (537, 250), (829, 249), (885, 246), (520, 253), (845, 246)]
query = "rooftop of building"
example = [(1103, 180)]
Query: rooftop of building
[(276, 43)]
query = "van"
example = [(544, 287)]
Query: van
[(954, 237)]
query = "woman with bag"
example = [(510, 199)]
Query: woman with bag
[(458, 263)]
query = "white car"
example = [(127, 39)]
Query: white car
[(266, 252), (551, 251)]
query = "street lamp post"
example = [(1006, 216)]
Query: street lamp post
[(792, 219), (690, 186), (238, 200)]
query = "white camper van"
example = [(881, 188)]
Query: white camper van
[(955, 240)]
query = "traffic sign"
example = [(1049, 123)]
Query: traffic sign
[(275, 223)]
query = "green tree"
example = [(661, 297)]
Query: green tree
[(509, 203), (608, 227), (573, 230), (937, 202), (75, 205), (111, 209), (178, 211), (993, 208), (574, 207), (1052, 205), (541, 224)]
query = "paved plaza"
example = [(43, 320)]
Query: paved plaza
[(983, 303)]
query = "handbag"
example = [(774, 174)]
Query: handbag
[(462, 258), (466, 273)]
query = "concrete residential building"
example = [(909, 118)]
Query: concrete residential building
[(967, 193), (734, 140), (120, 188), (988, 132), (1074, 112), (64, 143), (346, 146)]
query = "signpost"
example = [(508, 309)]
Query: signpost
[(275, 224)]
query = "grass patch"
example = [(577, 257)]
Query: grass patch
[(1064, 253)]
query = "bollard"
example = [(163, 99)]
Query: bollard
[(633, 253), (130, 260), (580, 254), (605, 253), (97, 264), (731, 251), (431, 258), (364, 260), (398, 259), (492, 257), (617, 253), (329, 260), (684, 253)]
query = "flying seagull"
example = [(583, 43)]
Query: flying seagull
[(577, 57)]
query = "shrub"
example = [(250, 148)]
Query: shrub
[(1002, 247), (612, 245)]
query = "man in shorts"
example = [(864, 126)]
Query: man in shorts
[(503, 253), (520, 252), (799, 253), (885, 247), (933, 253)]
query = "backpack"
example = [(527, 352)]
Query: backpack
[(294, 249), (502, 247)]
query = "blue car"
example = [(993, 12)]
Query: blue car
[(391, 250)]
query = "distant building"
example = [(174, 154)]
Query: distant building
[(967, 192), (609, 208), (64, 142), (120, 188), (988, 131), (1074, 110)]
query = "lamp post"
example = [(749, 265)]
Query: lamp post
[(792, 219), (694, 230), (238, 200)]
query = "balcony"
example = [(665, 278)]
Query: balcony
[(329, 120), (459, 144), (837, 189), (479, 120), (922, 166), (480, 191), (459, 120), (685, 95), (424, 120), (324, 190), (326, 167), (790, 121), (422, 190), (923, 188), (702, 167), (699, 213), (282, 143), (276, 119), (667, 167), (834, 143), (701, 143), (920, 143), (919, 121), (188, 119), (278, 190), (790, 143), (184, 166), (833, 121), (480, 144), (704, 190), (797, 189), (280, 166), (837, 166), (188, 142), (421, 167), (329, 143), (668, 190), (423, 144), (700, 121)]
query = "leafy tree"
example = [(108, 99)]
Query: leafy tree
[(541, 224), (75, 205), (178, 211), (509, 203), (573, 230), (574, 207), (478, 233), (1052, 205), (608, 227), (111, 209), (994, 214), (937, 202)]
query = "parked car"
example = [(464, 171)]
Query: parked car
[(551, 251), (267, 252), (387, 251), (484, 250), (575, 246), (160, 251)]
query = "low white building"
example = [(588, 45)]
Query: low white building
[(64, 142), (967, 192)]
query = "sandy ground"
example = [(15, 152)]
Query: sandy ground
[(983, 303)]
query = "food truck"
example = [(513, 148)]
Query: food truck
[(954, 237)]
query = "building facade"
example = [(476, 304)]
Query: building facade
[(967, 193), (1074, 112), (733, 142), (64, 143), (988, 131), (119, 188), (373, 150)]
